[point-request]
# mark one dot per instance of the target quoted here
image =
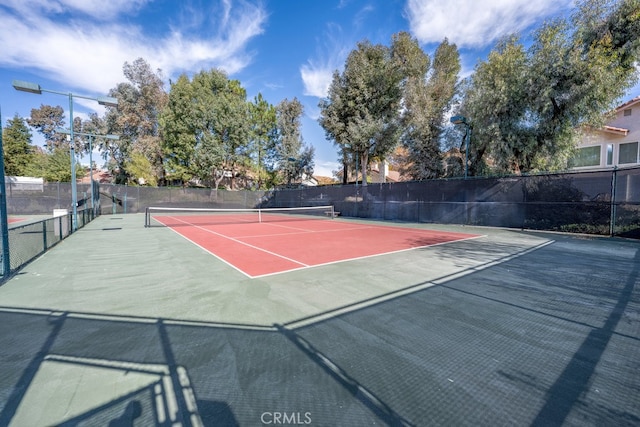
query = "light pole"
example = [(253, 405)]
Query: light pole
[(102, 100), (91, 136), (461, 120)]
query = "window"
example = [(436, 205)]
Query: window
[(588, 156), (609, 154), (627, 112), (628, 153)]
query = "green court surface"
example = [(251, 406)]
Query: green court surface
[(122, 323)]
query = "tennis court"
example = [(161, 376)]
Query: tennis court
[(260, 242), (124, 324)]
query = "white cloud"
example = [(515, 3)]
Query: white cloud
[(316, 79), (83, 54), (476, 23), (97, 9), (317, 73)]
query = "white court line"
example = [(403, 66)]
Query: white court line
[(369, 256), (241, 242)]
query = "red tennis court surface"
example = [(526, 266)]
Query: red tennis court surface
[(12, 220), (259, 249)]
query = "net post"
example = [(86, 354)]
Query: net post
[(146, 217), (259, 215)]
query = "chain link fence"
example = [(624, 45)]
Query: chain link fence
[(30, 238)]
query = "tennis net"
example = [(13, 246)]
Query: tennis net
[(163, 216)]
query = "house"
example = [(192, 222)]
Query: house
[(380, 173), (614, 145), (100, 175)]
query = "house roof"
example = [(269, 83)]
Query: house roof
[(392, 176), (628, 103), (615, 130), (102, 176)]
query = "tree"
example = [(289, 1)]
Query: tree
[(57, 166), (225, 125), (294, 158), (140, 102), (527, 106), (207, 128), (46, 120), (495, 102), (37, 167), (333, 118), (428, 92), (180, 131), (18, 152), (264, 136), (141, 169), (361, 114)]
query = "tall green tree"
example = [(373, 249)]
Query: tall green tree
[(264, 135), (428, 92), (362, 113), (335, 113), (140, 102), (181, 131), (495, 102), (18, 151), (207, 129), (295, 159)]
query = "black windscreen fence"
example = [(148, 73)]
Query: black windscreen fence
[(596, 202), (599, 202)]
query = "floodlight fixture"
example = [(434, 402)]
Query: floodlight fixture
[(102, 100)]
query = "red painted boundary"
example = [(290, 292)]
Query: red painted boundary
[(259, 249)]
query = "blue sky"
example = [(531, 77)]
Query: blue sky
[(280, 48)]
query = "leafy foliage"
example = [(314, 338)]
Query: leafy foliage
[(264, 136), (361, 114), (135, 120), (527, 105), (46, 120), (206, 129), (294, 159), (428, 96), (16, 142)]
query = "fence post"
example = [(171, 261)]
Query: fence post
[(44, 234), (4, 221), (612, 221)]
